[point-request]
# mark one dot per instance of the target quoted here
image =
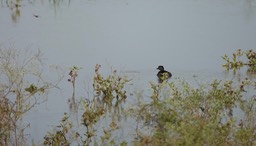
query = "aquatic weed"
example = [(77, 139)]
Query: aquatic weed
[(110, 87), (60, 136), (235, 63), (199, 116)]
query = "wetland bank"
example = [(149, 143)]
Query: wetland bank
[(84, 72)]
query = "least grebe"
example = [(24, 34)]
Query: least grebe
[(163, 74)]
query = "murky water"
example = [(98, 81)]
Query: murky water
[(188, 37)]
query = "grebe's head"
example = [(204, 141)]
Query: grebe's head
[(160, 67)]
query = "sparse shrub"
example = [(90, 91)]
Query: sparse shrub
[(17, 95), (21, 88)]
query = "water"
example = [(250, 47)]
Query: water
[(187, 37)]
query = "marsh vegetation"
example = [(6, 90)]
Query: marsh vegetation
[(176, 113)]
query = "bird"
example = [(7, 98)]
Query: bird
[(163, 74)]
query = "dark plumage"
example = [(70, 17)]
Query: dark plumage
[(163, 74)]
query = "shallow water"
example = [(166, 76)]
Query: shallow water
[(188, 37)]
